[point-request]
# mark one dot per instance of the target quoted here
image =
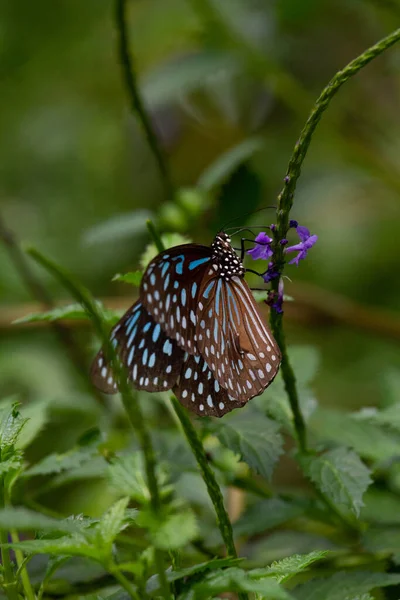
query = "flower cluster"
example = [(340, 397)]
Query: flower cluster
[(263, 251)]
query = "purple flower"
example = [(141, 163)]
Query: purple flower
[(307, 241), (275, 299), (262, 248), (271, 273)]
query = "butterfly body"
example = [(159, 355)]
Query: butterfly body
[(196, 329)]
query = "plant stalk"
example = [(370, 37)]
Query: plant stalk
[(136, 101), (285, 203), (129, 398)]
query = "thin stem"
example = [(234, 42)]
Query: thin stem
[(26, 582), (214, 491), (155, 235), (285, 202), (9, 582), (125, 583), (129, 398), (213, 488), (40, 293), (136, 101)]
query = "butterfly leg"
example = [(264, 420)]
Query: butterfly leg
[(243, 249)]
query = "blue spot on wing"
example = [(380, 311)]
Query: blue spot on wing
[(208, 289), (198, 262)]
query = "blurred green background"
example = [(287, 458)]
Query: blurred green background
[(228, 85)]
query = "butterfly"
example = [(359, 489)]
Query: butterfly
[(196, 329)]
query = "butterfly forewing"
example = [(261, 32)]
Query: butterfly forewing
[(200, 392), (170, 287), (152, 360), (233, 338)]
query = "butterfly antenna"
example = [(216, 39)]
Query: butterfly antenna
[(253, 212)]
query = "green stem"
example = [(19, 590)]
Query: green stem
[(155, 235), (214, 491), (26, 582), (129, 398), (136, 101), (9, 582), (125, 583), (285, 202), (213, 488)]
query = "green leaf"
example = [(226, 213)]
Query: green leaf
[(171, 531), (113, 521), (118, 227), (153, 585), (255, 438), (133, 278), (289, 567), (342, 428), (23, 519), (267, 514), (71, 312), (11, 424), (342, 585), (127, 477), (358, 597), (220, 170), (72, 545), (56, 463), (10, 464), (37, 415), (234, 579), (339, 474)]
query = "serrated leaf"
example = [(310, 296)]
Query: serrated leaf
[(71, 312), (173, 531), (10, 464), (133, 278), (112, 522), (234, 579), (267, 514), (342, 585), (11, 424), (23, 519), (341, 475), (153, 584), (72, 545), (221, 169), (288, 567), (255, 438), (127, 477), (56, 463), (330, 425)]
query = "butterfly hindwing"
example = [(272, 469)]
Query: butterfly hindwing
[(152, 360), (200, 392), (170, 288), (233, 338)]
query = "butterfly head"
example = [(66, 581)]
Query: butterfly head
[(225, 257)]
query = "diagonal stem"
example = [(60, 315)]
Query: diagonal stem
[(38, 291), (135, 98)]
